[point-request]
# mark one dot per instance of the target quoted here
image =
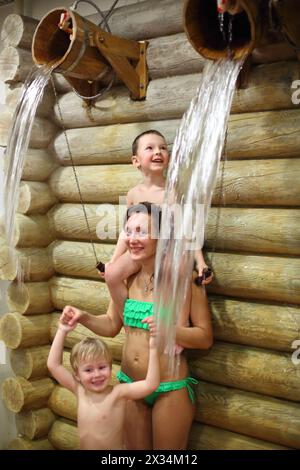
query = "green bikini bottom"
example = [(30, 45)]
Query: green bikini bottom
[(188, 382)]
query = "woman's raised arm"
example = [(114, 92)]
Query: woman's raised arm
[(108, 324), (200, 334)]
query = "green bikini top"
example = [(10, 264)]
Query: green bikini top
[(135, 311)]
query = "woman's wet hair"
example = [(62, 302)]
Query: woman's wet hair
[(150, 209)]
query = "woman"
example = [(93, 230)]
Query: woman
[(163, 420)]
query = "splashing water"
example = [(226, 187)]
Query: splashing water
[(18, 142), (191, 179)]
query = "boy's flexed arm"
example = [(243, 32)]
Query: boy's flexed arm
[(54, 363), (142, 388)]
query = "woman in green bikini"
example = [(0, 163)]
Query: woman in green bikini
[(163, 420)]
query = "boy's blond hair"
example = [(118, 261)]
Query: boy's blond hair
[(89, 349)]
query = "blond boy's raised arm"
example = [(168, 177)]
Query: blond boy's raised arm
[(54, 363)]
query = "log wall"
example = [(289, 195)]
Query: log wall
[(248, 395)]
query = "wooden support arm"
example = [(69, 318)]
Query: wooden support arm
[(128, 59)]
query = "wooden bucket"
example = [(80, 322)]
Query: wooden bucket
[(202, 27), (71, 55)]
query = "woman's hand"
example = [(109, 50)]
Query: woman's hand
[(65, 327)]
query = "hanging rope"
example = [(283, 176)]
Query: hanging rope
[(74, 169), (221, 200), (104, 20), (107, 28)]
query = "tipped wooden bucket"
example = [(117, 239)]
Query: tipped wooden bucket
[(69, 54), (202, 27)]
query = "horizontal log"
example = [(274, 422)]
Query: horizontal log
[(163, 94), (60, 83), (18, 30), (66, 291), (172, 55), (22, 443), (238, 275), (38, 166), (64, 435), (20, 394), (256, 277), (18, 331), (77, 258), (259, 182), (63, 402), (108, 144), (67, 221), (251, 369), (42, 133), (276, 52), (35, 198), (15, 64), (35, 424), (236, 321), (255, 324), (102, 183), (255, 182), (276, 137), (35, 264), (29, 297), (146, 19), (264, 134), (269, 89), (249, 414), (30, 363), (44, 109), (205, 437), (114, 344), (257, 230), (32, 231)]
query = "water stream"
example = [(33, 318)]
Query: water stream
[(18, 142), (191, 180)]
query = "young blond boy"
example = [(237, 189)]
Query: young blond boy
[(101, 407)]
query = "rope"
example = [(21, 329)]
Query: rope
[(104, 19), (73, 166), (107, 28), (74, 6), (221, 200)]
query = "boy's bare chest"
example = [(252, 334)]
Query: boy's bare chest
[(156, 196), (97, 413)]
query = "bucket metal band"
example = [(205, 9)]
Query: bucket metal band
[(103, 73), (81, 52)]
